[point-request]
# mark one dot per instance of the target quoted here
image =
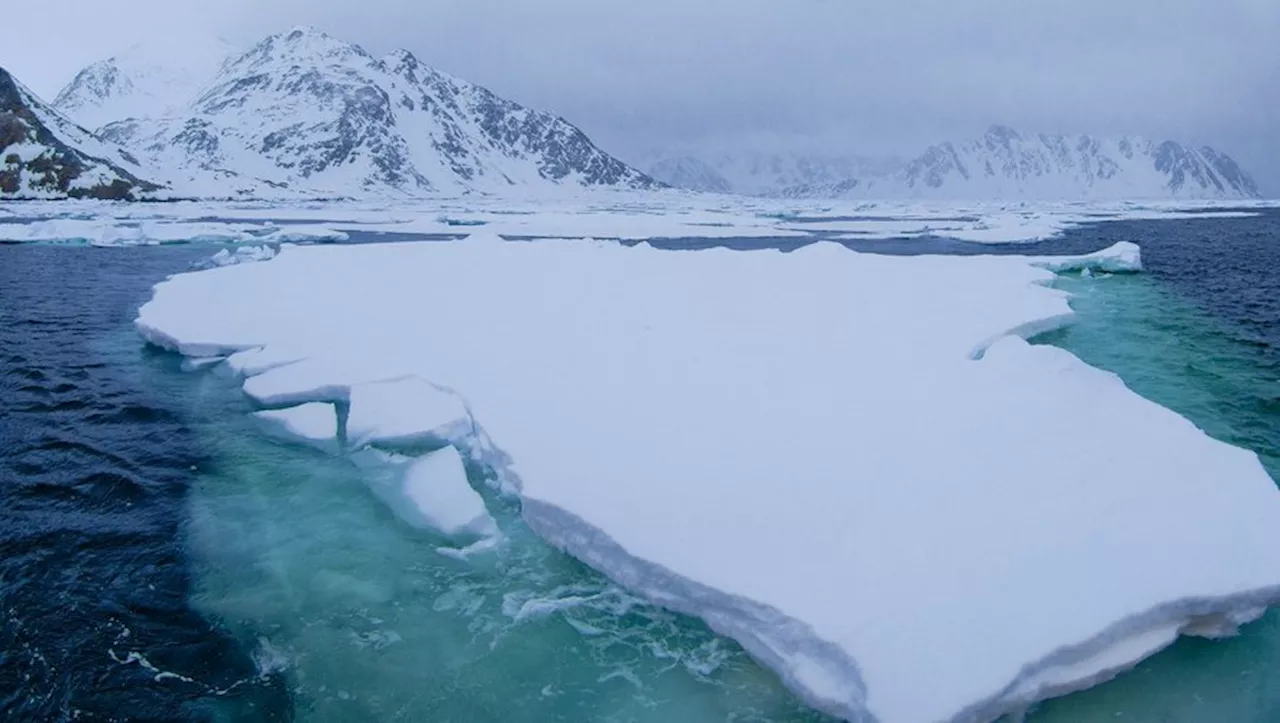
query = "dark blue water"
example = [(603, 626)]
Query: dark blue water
[(98, 457), (94, 468)]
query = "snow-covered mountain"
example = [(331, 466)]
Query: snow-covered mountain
[(45, 155), (760, 173), (147, 81), (303, 111), (689, 173), (1004, 164)]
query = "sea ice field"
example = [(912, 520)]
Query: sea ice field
[(790, 484)]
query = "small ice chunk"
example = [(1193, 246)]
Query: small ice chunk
[(440, 498), (314, 423), (1122, 257), (407, 411)]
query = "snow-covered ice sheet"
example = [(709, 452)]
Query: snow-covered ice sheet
[(844, 461)]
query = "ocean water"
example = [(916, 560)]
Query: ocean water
[(162, 559), (95, 470)]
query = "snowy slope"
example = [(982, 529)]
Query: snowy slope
[(305, 111), (45, 155), (154, 80), (1004, 164)]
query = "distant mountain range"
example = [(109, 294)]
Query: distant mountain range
[(305, 115), (1002, 164)]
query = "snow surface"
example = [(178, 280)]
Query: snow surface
[(844, 461), (407, 411), (314, 423)]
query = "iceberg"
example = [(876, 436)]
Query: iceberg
[(854, 465)]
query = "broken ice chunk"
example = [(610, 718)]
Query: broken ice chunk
[(315, 423), (440, 498), (405, 412)]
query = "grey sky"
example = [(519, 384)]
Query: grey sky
[(873, 76)]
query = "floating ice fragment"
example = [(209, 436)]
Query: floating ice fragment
[(314, 423), (1121, 257), (442, 499)]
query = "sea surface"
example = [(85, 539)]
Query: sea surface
[(161, 559)]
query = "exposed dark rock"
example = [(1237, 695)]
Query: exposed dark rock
[(51, 163)]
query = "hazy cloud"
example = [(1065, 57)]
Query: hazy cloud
[(884, 75)]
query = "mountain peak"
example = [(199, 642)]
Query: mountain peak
[(306, 112), (303, 45), (1002, 134), (143, 81), (306, 33)]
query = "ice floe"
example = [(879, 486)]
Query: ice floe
[(844, 461), (633, 217), (112, 231)]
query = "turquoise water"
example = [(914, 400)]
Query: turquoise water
[(366, 620), (1173, 351)]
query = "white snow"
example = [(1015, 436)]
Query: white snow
[(401, 412), (841, 460), (314, 423)]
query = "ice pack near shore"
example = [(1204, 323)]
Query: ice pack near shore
[(843, 461)]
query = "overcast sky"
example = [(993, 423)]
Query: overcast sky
[(877, 77)]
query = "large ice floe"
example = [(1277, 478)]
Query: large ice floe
[(852, 464)]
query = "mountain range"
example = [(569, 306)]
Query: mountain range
[(302, 114), (305, 114), (1002, 164), (761, 173)]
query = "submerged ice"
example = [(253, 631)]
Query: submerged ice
[(719, 432)]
